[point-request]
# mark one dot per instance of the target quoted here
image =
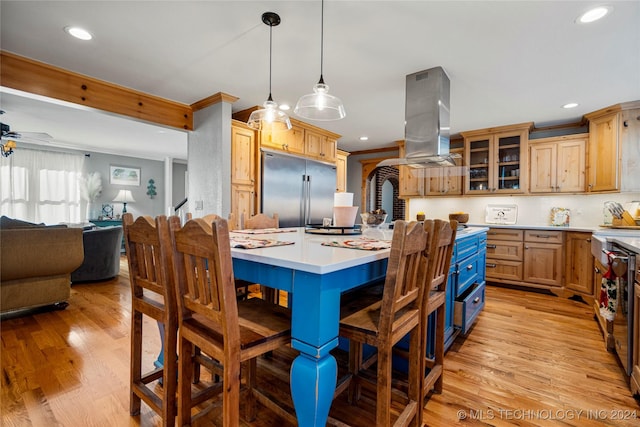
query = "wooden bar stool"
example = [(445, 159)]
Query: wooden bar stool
[(440, 250), (149, 278), (152, 294), (387, 321), (211, 318), (257, 222)]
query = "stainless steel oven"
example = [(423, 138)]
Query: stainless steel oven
[(623, 327)]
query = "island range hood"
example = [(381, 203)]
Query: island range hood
[(426, 131)]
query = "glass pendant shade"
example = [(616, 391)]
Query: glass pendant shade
[(320, 105), (269, 117)]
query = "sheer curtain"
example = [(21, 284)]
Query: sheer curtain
[(41, 186)]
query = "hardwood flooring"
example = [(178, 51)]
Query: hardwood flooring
[(531, 360)]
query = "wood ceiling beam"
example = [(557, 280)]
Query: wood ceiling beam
[(35, 77)]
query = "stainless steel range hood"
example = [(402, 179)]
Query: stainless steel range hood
[(426, 132)]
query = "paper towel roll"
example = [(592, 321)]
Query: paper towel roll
[(343, 199)]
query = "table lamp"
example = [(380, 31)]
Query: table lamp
[(124, 196)]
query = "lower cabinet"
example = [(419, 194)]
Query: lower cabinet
[(465, 290), (578, 266), (532, 258), (635, 370)]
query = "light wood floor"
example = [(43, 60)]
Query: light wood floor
[(530, 360)]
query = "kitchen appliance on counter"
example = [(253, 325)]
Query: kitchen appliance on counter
[(623, 262), (300, 191)]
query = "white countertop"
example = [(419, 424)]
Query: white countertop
[(308, 254)]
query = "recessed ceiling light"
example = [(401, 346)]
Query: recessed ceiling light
[(570, 105), (593, 14), (78, 33), (364, 138), (285, 107)]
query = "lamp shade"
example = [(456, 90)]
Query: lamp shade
[(320, 105), (124, 196)]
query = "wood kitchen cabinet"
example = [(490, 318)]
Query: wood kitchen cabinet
[(434, 181), (531, 258), (290, 141), (341, 170), (635, 361), (557, 164), (320, 146), (606, 326), (497, 159), (579, 264), (602, 159), (411, 179), (243, 170)]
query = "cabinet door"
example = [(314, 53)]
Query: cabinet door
[(329, 148), (543, 162), (314, 143), (510, 157), (242, 156), (479, 154), (571, 165), (294, 140), (579, 263), (543, 263), (341, 172), (242, 202), (603, 153)]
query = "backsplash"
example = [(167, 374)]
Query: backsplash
[(586, 210)]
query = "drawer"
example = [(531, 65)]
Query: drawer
[(504, 234), (543, 236), (468, 306), (466, 247), (507, 270), (467, 273), (505, 250)]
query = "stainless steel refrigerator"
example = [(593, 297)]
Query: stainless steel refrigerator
[(299, 190)]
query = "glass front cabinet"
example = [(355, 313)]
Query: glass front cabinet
[(497, 159)]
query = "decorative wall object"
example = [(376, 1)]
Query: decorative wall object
[(124, 175), (151, 188)]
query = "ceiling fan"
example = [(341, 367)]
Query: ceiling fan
[(8, 139)]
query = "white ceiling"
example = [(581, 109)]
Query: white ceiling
[(508, 61)]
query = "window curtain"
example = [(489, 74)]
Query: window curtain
[(41, 186)]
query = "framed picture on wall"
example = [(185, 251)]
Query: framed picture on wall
[(124, 175)]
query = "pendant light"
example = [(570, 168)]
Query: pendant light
[(319, 105), (270, 116)]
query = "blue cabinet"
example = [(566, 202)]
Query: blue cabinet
[(465, 289)]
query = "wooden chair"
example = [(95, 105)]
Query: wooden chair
[(439, 251), (260, 221), (211, 318), (256, 222), (149, 279), (152, 294), (388, 320)]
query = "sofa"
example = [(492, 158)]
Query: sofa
[(101, 255), (36, 262)]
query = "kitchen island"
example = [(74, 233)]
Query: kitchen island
[(316, 275)]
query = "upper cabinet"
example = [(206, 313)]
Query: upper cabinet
[(603, 163), (557, 164), (613, 154), (291, 141), (320, 145), (341, 171), (496, 157)]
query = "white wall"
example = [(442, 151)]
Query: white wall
[(586, 210)]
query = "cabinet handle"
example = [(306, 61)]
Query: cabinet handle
[(491, 265), (596, 269), (470, 267), (588, 240), (491, 246), (544, 236), (526, 247), (476, 300)]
